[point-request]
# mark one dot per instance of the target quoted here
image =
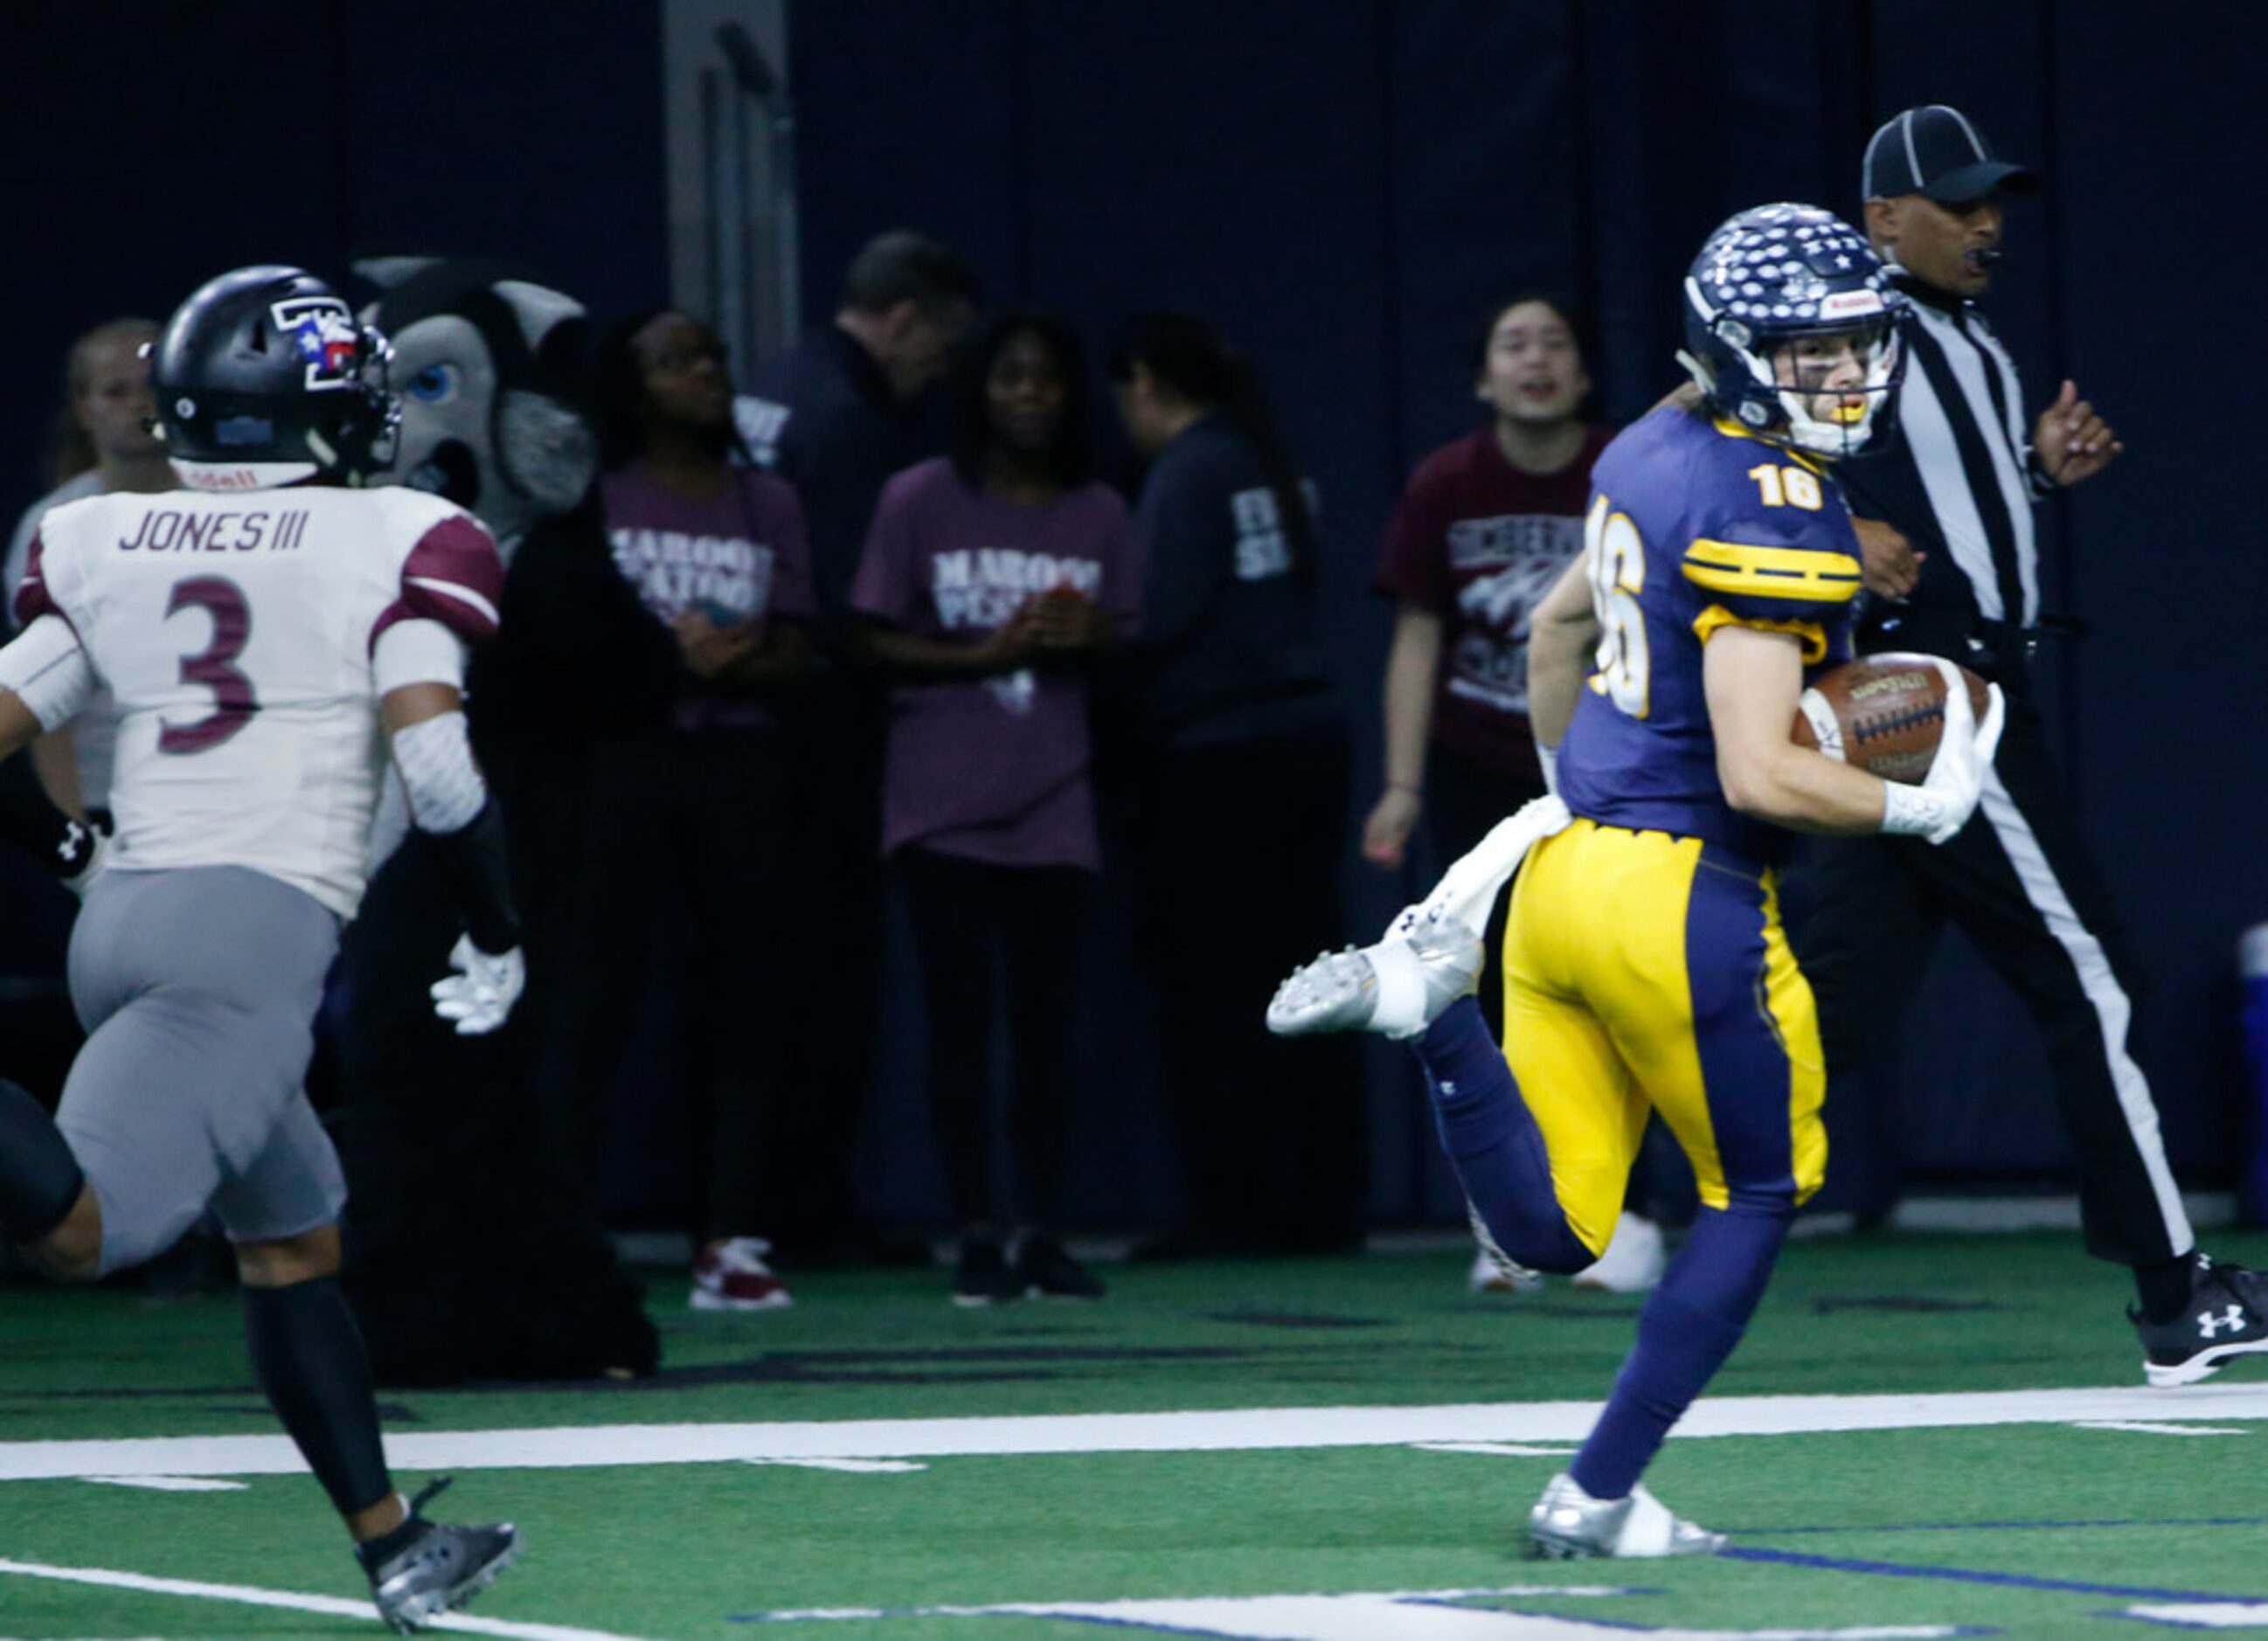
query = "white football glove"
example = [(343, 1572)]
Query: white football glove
[(1942, 804), (481, 993)]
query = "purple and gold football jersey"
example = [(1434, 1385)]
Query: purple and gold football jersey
[(1694, 525)]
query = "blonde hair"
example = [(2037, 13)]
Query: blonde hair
[(70, 451)]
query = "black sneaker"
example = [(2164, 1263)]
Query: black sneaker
[(1043, 1269), (422, 1569), (983, 1276), (2226, 1316)]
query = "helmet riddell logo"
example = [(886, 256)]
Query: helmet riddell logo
[(323, 330), (1850, 305), (202, 477)]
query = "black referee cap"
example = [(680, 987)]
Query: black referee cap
[(1937, 151)]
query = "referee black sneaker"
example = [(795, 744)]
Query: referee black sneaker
[(1045, 1269), (422, 1569), (2226, 1316), (982, 1275)]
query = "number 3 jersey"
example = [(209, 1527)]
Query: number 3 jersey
[(238, 634), (1693, 525)]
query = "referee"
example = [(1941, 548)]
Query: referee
[(1953, 565)]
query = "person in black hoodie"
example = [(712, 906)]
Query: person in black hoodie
[(1244, 749), (835, 416)]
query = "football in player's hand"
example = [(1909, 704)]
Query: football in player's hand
[(1883, 713)]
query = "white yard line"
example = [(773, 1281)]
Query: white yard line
[(2153, 1428), (169, 1484), (332, 1606), (1406, 1615), (855, 1467), (1226, 1430), (2206, 1615)]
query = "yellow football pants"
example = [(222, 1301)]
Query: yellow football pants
[(1648, 972)]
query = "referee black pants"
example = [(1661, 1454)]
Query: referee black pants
[(2019, 882)]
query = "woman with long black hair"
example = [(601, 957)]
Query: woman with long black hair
[(692, 802), (1243, 795), (991, 582)]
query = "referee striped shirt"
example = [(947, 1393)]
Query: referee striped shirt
[(1958, 479)]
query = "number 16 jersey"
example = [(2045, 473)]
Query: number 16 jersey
[(237, 634), (1694, 525)]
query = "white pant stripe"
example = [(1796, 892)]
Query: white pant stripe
[(2113, 1010)]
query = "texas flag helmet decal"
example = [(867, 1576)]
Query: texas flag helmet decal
[(323, 330)]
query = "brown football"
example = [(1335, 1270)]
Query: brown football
[(1883, 713)]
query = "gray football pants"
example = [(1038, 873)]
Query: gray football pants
[(198, 988)]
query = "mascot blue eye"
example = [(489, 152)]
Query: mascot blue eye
[(433, 384)]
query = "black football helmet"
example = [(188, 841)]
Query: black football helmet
[(265, 377), (1773, 276)]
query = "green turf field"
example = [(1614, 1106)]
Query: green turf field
[(1325, 1450)]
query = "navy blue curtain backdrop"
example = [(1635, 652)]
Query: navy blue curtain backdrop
[(151, 143), (1344, 185)]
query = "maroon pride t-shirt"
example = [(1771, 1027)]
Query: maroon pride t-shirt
[(1479, 543), (991, 768), (739, 558)]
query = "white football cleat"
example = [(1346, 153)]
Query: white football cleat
[(1633, 1261), (1568, 1524), (1399, 986), (1494, 1270)]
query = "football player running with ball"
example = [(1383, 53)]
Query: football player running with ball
[(266, 633), (1645, 965)]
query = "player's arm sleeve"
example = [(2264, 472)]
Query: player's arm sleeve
[(30, 819), (449, 801), (47, 670), (1751, 571)]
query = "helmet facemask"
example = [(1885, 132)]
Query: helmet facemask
[(1791, 284), (1832, 384), (1780, 382)]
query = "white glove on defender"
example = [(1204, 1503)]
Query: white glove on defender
[(481, 993), (1942, 804)]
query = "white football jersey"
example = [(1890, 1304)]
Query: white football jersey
[(236, 633)]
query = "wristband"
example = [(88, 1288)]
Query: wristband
[(1549, 757), (1912, 811)]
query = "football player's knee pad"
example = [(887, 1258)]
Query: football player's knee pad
[(40, 1179)]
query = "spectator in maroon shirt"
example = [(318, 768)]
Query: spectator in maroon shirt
[(1483, 530), (692, 802), (991, 583)]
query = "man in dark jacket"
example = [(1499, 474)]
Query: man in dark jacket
[(836, 416)]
